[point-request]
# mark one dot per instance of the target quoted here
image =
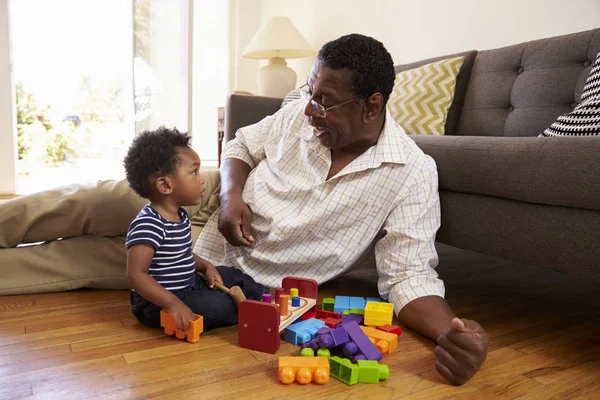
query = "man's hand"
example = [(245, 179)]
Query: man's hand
[(211, 275), (234, 222), (181, 314), (461, 350)]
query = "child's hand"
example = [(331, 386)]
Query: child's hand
[(182, 315), (211, 275)]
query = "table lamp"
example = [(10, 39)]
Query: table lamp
[(277, 40)]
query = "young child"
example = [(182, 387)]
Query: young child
[(161, 267)]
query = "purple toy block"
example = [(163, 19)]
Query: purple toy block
[(362, 342), (336, 337), (312, 344), (323, 331), (357, 357), (358, 318)]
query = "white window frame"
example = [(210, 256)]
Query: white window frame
[(8, 118)]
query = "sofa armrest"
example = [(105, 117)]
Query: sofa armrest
[(243, 110), (560, 171)]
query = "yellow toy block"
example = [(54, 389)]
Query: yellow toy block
[(385, 342), (377, 314)]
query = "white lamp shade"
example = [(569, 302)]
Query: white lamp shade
[(278, 38)]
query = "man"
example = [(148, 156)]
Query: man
[(305, 192)]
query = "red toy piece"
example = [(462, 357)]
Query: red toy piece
[(324, 314), (308, 315), (395, 329), (260, 323), (332, 322)]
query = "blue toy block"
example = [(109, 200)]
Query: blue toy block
[(303, 331), (358, 303), (341, 303), (375, 299), (362, 342)]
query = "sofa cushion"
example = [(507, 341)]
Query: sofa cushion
[(421, 96), (520, 90), (554, 171), (585, 118), (460, 89)]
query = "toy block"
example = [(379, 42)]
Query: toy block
[(328, 304), (332, 322), (278, 292), (341, 303), (361, 343), (378, 313), (323, 353), (395, 329), (311, 344), (324, 330), (308, 315), (374, 299), (303, 369), (372, 371), (358, 318), (294, 292), (385, 342), (344, 370), (358, 303), (303, 331), (195, 328), (323, 314), (307, 352), (333, 338)]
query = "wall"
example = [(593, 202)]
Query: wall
[(7, 114), (413, 30)]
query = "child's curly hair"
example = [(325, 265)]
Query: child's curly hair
[(153, 153)]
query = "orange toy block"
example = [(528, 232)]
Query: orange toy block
[(303, 369), (385, 342), (193, 332)]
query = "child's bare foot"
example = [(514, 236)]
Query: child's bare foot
[(236, 294)]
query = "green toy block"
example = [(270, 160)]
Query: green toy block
[(372, 372), (344, 370), (308, 352), (360, 311), (346, 312), (323, 353), (328, 303)]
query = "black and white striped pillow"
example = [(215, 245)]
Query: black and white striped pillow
[(584, 120)]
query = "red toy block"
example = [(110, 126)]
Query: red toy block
[(324, 314), (332, 322), (195, 328), (395, 329), (308, 315)]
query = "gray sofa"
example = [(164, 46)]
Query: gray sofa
[(504, 191)]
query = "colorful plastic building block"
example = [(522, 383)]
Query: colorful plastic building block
[(302, 331), (308, 315), (303, 369), (332, 322), (192, 333), (323, 353), (341, 303), (360, 346), (358, 318), (260, 323), (378, 313), (385, 342), (328, 303), (307, 352), (323, 314), (344, 370), (372, 371), (357, 303), (395, 329), (332, 338)]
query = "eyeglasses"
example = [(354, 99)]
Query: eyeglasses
[(319, 109)]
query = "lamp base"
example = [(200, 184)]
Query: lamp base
[(276, 79)]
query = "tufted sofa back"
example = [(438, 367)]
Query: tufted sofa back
[(520, 90)]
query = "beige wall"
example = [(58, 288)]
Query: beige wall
[(413, 30)]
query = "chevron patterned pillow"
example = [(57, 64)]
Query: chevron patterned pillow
[(422, 96), (584, 120)]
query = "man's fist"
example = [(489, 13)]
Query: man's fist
[(461, 350)]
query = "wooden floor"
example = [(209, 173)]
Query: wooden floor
[(544, 329)]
